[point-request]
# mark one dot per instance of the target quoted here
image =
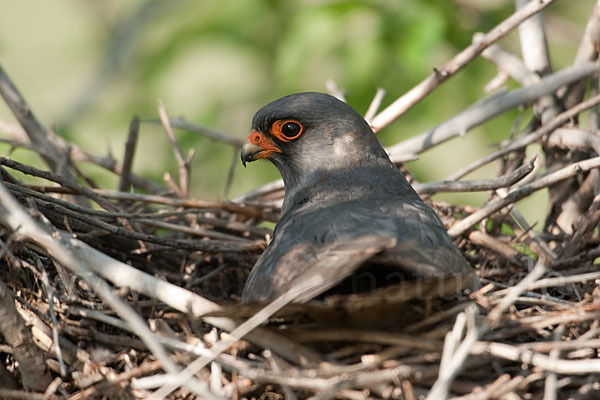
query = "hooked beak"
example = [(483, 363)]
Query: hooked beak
[(250, 152), (256, 147)]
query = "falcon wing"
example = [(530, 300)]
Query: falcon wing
[(323, 268)]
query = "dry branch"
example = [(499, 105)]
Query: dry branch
[(413, 96), (519, 193), (490, 107)]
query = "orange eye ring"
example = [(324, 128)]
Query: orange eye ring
[(287, 130)]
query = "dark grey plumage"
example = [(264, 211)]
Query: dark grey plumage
[(341, 186)]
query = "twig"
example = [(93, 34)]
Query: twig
[(534, 49), (188, 203), (587, 223), (124, 275), (334, 90), (276, 366), (402, 104), (251, 211), (534, 46), (455, 354), (50, 295), (17, 219), (489, 107), (231, 172), (575, 260), (19, 138), (564, 280), (140, 216), (526, 140), (489, 391), (271, 188), (20, 395), (574, 139), (485, 240), (197, 231), (550, 385), (208, 246), (522, 222), (513, 292), (76, 187), (588, 51), (438, 317), (34, 129), (375, 104), (43, 334), (182, 123), (238, 333), (476, 185), (182, 162), (134, 129), (508, 63), (461, 226), (496, 82), (508, 352)]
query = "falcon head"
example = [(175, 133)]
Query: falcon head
[(311, 133)]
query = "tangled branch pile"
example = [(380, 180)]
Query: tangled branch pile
[(111, 294)]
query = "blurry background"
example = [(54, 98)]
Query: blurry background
[(87, 67)]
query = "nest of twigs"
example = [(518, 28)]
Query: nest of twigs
[(115, 300)]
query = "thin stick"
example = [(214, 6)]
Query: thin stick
[(534, 46), (575, 260), (76, 187), (564, 280), (412, 97), (334, 90), (34, 129), (182, 123), (476, 185), (204, 245), (490, 107), (183, 300), (456, 356), (375, 104), (230, 174), (134, 129), (182, 162), (461, 226), (253, 211), (17, 219), (238, 333), (513, 292), (526, 140), (50, 296), (18, 138), (550, 385), (508, 63), (508, 352)]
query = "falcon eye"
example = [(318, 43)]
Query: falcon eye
[(287, 129), (291, 129)]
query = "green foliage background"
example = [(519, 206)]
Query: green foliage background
[(87, 67)]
